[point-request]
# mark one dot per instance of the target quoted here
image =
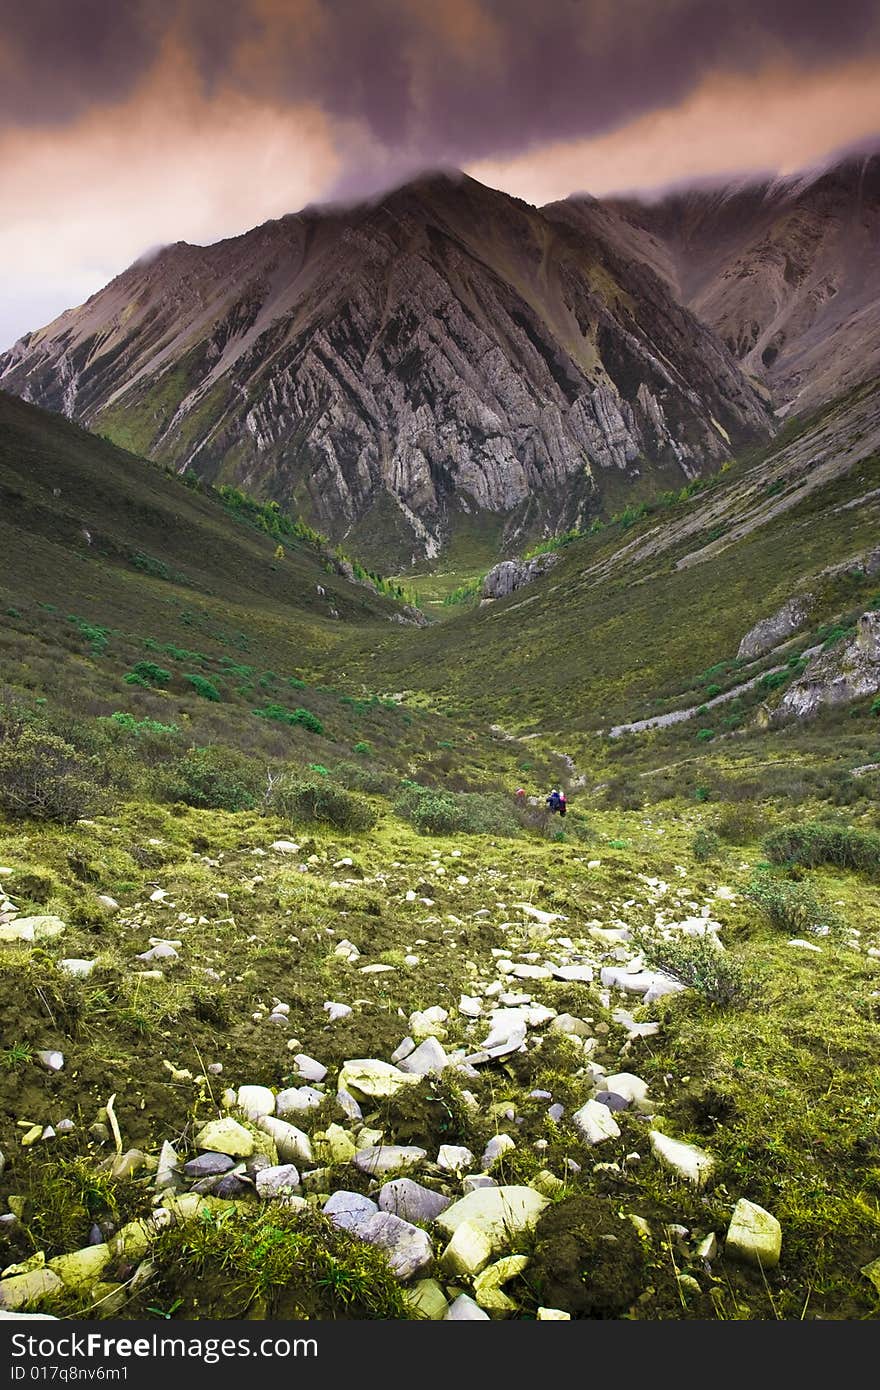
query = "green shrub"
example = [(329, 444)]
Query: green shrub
[(823, 842), (215, 777), (148, 673), (705, 735), (301, 800), (43, 776), (119, 720), (202, 686), (792, 906), (700, 963), (364, 777), (740, 823), (436, 812), (705, 845), (291, 716)]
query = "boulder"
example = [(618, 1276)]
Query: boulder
[(509, 575), (225, 1136), (407, 1247), (595, 1122), (502, 1213), (847, 671), (685, 1160), (411, 1201), (769, 632), (368, 1078), (753, 1235)]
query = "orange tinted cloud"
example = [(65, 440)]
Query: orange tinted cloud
[(778, 121), (81, 202)]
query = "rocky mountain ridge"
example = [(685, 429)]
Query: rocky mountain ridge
[(388, 370)]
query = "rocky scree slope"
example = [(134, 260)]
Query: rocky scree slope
[(786, 271)]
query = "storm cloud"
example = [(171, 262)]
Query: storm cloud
[(125, 122)]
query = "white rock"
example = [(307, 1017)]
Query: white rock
[(79, 968), (497, 1145), (753, 1235), (545, 918), (469, 1250), (256, 1101), (404, 1049), (470, 1006), (595, 1122), (624, 1083), (388, 1158), (225, 1136), (296, 1100), (429, 1058), (292, 1144), (52, 1061), (285, 847), (407, 1247), (686, 1160), (336, 1011), (578, 973), (501, 1213), (454, 1158), (552, 1315), (367, 1077), (464, 1309), (308, 1068), (280, 1180)]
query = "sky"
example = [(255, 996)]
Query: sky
[(128, 124)]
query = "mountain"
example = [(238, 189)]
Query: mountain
[(786, 271), (447, 361)]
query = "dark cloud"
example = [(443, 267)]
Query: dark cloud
[(433, 82)]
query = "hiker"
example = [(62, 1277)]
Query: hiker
[(554, 801), (563, 804), (520, 796)]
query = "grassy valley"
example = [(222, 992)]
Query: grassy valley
[(256, 829)]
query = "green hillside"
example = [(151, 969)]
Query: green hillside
[(253, 834)]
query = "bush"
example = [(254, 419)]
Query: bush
[(700, 963), (127, 723), (202, 686), (705, 846), (43, 776), (301, 800), (435, 812), (705, 735), (216, 778), (793, 907), (147, 673), (364, 777), (740, 823), (821, 842), (291, 716)]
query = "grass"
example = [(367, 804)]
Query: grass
[(769, 1060)]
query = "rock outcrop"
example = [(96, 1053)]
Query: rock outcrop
[(513, 574), (769, 632), (847, 671)]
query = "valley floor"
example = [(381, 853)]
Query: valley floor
[(155, 962)]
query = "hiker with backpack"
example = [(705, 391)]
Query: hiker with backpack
[(556, 801)]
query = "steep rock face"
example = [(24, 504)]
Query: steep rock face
[(513, 574), (769, 632), (386, 369), (849, 671), (787, 272)]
